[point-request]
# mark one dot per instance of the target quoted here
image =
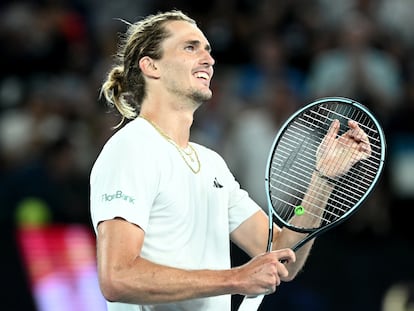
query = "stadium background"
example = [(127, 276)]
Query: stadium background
[(272, 56)]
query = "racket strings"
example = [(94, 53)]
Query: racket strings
[(307, 154), (289, 207), (327, 217), (294, 161), (293, 186), (364, 122)]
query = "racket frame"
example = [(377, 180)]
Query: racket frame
[(312, 233)]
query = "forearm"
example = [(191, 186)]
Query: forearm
[(144, 282), (313, 202)]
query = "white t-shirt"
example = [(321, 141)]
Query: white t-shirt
[(187, 217)]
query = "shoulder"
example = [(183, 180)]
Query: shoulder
[(209, 155), (136, 130), (205, 150), (137, 135), (134, 142)]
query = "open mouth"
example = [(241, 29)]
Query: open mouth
[(202, 75)]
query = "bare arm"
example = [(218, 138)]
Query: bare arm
[(256, 228), (335, 157), (125, 276), (317, 195)]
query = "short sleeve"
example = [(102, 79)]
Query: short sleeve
[(123, 182)]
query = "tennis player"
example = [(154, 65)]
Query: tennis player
[(165, 209)]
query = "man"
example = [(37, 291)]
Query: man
[(164, 209)]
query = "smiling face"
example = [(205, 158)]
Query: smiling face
[(186, 66)]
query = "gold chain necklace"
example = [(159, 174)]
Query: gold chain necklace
[(185, 154)]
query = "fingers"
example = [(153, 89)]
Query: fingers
[(337, 154), (285, 255), (356, 132), (273, 269), (264, 273), (330, 137), (359, 136), (333, 129)]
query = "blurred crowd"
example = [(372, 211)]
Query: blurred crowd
[(272, 57)]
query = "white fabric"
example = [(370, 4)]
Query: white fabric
[(187, 217), (254, 125), (251, 303)]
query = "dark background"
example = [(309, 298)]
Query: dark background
[(272, 56)]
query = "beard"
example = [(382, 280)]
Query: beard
[(192, 96), (199, 97)]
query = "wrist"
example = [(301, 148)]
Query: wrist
[(236, 281), (325, 178)]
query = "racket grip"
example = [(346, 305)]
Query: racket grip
[(251, 303)]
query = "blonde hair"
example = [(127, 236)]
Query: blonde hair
[(124, 87)]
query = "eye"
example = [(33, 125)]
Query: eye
[(190, 48)]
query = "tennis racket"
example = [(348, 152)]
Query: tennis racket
[(321, 141)]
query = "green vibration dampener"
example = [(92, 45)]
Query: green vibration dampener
[(299, 210)]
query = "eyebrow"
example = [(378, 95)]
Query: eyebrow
[(207, 47)]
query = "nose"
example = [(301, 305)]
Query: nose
[(208, 59)]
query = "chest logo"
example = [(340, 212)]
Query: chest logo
[(216, 184)]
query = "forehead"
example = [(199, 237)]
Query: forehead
[(183, 31)]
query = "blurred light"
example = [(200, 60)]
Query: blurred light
[(61, 267)]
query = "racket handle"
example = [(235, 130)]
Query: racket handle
[(251, 303)]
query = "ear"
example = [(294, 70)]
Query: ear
[(148, 67)]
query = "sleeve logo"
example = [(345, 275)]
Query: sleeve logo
[(119, 195)]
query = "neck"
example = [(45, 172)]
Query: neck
[(175, 126), (188, 153), (171, 113)]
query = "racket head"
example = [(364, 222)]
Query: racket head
[(292, 160)]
